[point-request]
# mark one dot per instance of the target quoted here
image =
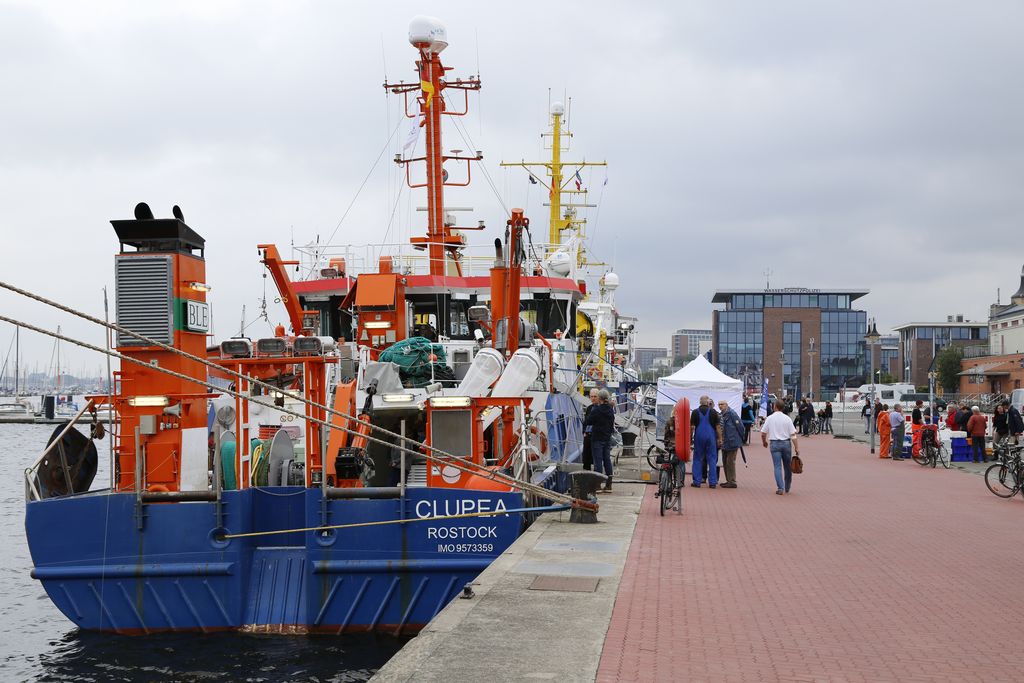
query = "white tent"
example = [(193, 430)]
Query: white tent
[(700, 378)]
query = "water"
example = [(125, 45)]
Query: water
[(37, 642)]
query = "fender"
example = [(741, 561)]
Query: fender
[(681, 411)]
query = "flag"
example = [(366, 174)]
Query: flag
[(413, 135), (605, 180), (579, 180), (533, 181), (762, 411), (428, 88)]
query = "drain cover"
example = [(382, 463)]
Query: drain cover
[(574, 584)]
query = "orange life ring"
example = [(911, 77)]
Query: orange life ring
[(157, 488), (543, 439)]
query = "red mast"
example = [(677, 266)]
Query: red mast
[(428, 36)]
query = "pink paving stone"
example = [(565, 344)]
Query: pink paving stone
[(870, 570)]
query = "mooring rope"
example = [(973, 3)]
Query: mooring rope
[(467, 515), (458, 463), (490, 474)]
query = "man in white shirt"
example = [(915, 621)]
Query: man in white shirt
[(778, 434)]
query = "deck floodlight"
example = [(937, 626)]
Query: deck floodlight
[(149, 401), (236, 348), (398, 398), (272, 346), (451, 402)]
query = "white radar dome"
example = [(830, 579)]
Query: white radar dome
[(610, 281), (428, 32), (557, 108), (560, 263)]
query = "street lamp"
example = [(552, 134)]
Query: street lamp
[(872, 338), (782, 372), (931, 397), (812, 353)]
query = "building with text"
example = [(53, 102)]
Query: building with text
[(803, 341)]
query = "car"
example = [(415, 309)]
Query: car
[(911, 399)]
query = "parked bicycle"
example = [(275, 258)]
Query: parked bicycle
[(932, 451), (670, 489), (1005, 477)]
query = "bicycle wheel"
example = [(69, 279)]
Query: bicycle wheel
[(1001, 480), (943, 457), (652, 456), (924, 455), (665, 491)]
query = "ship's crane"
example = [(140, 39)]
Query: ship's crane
[(303, 321)]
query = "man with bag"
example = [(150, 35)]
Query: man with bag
[(778, 434)]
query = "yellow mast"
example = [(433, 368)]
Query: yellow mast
[(557, 183)]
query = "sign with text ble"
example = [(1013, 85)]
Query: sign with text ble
[(197, 316)]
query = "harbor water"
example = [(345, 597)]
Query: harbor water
[(37, 642)]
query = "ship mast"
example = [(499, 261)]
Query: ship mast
[(558, 184), (442, 243)]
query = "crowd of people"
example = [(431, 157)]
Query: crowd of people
[(891, 424), (727, 432)]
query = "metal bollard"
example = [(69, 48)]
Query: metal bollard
[(583, 485)]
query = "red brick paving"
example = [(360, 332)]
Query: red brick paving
[(870, 570)]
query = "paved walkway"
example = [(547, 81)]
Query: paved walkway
[(870, 570)]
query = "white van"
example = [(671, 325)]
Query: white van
[(1017, 398)]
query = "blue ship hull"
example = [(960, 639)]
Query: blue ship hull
[(177, 573)]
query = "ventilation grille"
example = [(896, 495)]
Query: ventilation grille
[(144, 299)]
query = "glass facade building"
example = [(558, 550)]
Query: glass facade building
[(801, 340)]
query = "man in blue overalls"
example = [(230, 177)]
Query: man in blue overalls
[(704, 433)]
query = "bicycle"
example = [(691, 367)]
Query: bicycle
[(932, 453), (670, 490), (1006, 477)]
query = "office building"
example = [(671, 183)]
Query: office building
[(686, 342), (645, 356), (920, 342), (803, 341)]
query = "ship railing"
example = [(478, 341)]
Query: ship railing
[(31, 473), (364, 258)]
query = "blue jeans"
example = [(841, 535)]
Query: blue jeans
[(782, 458), (602, 452)]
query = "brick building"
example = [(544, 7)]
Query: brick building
[(920, 342), (802, 340)]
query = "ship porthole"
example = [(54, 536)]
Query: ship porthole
[(325, 537), (217, 539)]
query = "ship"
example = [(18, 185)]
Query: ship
[(353, 473)]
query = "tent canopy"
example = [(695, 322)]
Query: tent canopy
[(700, 378)]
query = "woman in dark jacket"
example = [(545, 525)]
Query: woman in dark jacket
[(599, 423)]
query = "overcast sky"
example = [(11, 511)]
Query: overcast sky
[(839, 144)]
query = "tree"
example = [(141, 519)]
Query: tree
[(947, 366), (682, 360), (886, 378)]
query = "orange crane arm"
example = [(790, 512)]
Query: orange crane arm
[(276, 265)]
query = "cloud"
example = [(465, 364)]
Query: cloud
[(839, 144)]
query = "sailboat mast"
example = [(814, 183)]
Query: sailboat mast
[(17, 367)]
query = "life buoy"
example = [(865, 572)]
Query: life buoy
[(157, 488)]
